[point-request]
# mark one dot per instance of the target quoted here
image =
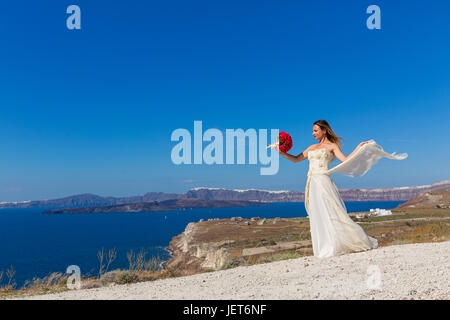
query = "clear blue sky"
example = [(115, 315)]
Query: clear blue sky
[(92, 110)]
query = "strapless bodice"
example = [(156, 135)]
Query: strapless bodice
[(319, 161)]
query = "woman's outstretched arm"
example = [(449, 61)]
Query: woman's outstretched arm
[(338, 153), (297, 158)]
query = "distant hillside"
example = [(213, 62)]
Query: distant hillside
[(165, 205), (92, 200), (439, 198), (379, 194)]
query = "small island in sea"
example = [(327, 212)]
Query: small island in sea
[(166, 205)]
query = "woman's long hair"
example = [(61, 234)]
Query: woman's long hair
[(333, 137)]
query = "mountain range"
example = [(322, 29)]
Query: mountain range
[(205, 193)]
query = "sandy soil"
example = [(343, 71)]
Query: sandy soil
[(412, 271)]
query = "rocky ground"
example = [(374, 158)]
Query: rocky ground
[(409, 271)]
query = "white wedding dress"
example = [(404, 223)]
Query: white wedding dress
[(333, 232)]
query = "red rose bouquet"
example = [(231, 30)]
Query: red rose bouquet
[(284, 142)]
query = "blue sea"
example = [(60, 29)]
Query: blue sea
[(36, 245)]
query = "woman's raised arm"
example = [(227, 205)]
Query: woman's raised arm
[(338, 153)]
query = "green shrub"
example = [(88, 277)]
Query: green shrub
[(125, 277)]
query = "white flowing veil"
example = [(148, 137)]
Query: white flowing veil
[(363, 159)]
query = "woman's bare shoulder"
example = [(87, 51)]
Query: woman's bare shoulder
[(312, 147), (335, 146), (306, 151)]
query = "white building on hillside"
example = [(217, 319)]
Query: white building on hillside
[(380, 212), (375, 212)]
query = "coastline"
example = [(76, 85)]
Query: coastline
[(163, 264)]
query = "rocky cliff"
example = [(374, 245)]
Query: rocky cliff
[(219, 243), (379, 194)]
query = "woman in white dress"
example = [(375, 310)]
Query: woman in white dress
[(333, 232)]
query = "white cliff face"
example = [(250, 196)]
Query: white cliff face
[(209, 254), (187, 237), (214, 257)]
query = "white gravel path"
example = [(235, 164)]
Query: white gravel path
[(412, 271)]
